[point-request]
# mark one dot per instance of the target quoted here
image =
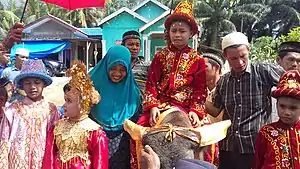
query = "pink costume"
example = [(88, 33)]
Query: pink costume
[(23, 133)]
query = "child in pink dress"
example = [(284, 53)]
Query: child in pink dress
[(26, 121)]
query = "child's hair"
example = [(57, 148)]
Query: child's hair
[(4, 81), (3, 93), (67, 88)]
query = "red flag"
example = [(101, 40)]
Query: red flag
[(76, 4)]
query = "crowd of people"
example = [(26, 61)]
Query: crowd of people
[(110, 111)]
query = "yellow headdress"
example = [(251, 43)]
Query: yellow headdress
[(183, 11), (82, 85)]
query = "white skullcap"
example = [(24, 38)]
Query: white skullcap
[(234, 38), (22, 51)]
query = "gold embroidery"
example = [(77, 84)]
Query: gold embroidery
[(279, 141), (186, 61), (298, 144), (265, 132), (4, 154), (71, 139), (32, 155)]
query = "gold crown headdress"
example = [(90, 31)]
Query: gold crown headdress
[(183, 11), (81, 81)]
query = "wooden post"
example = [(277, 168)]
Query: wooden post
[(88, 44), (96, 53)]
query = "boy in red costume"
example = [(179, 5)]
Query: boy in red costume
[(177, 73), (176, 77), (278, 143)]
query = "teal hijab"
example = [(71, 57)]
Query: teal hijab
[(119, 101)]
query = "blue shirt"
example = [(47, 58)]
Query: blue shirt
[(10, 73), (1, 69)]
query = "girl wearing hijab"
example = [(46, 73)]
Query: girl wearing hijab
[(114, 80)]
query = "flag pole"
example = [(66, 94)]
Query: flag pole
[(24, 9)]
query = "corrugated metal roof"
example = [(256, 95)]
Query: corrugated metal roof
[(92, 31)]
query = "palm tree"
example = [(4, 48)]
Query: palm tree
[(35, 9), (214, 16), (282, 16), (114, 5), (169, 4), (8, 17), (247, 14), (83, 17)]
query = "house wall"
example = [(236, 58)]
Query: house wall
[(114, 29), (157, 27), (150, 11), (156, 43)]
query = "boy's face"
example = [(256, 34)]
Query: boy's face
[(10, 89), (180, 33), (210, 70), (72, 105), (288, 110), (33, 88), (117, 73)]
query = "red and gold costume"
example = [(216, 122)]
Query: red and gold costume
[(76, 145), (80, 143), (177, 78), (278, 144)]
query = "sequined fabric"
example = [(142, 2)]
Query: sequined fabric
[(23, 133)]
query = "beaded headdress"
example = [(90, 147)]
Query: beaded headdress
[(183, 11), (82, 86), (289, 85)]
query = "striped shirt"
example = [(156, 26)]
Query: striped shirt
[(246, 101)]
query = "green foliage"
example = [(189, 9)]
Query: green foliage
[(264, 49), (293, 35), (36, 9)]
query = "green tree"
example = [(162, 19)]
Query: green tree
[(293, 35), (114, 5), (282, 16), (83, 17), (8, 17), (34, 10), (214, 16), (264, 49), (248, 13)]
